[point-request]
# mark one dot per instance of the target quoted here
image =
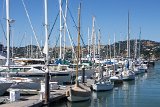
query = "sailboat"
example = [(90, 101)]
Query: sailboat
[(4, 85), (103, 84), (16, 82), (80, 92), (116, 76), (128, 73)]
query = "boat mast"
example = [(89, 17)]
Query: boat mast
[(69, 34), (139, 52), (60, 41), (135, 49), (8, 33), (31, 48), (64, 44), (12, 43), (128, 39), (114, 52), (107, 51), (99, 38), (114, 46), (110, 54), (88, 42), (46, 53), (93, 38), (119, 52), (78, 49)]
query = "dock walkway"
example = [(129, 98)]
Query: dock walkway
[(34, 101)]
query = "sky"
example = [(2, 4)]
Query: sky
[(110, 17)]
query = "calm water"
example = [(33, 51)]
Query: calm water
[(143, 92)]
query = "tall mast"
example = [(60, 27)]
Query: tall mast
[(64, 48), (93, 37), (139, 52), (107, 51), (119, 52), (96, 44), (11, 33), (88, 42), (46, 27), (8, 33), (114, 46), (60, 41), (46, 52), (110, 54), (31, 48), (128, 39), (114, 51), (78, 49), (135, 49), (99, 38)]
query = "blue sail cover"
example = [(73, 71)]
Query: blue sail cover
[(127, 64), (108, 62), (58, 61)]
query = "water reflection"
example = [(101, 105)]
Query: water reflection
[(78, 104), (99, 99)]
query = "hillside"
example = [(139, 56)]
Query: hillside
[(149, 49)]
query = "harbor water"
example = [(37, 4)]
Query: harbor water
[(143, 92)]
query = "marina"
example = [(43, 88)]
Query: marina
[(103, 73), (137, 93)]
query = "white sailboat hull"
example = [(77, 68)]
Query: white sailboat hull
[(102, 87), (139, 70), (128, 75), (116, 79)]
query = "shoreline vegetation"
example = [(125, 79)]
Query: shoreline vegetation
[(149, 50)]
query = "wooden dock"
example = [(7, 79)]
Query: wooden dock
[(34, 100)]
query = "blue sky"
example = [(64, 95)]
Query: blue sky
[(111, 17)]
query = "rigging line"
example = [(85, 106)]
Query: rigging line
[(54, 24), (4, 34), (70, 38), (69, 33), (31, 26), (3, 9), (22, 40), (1, 21), (75, 25), (65, 24)]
